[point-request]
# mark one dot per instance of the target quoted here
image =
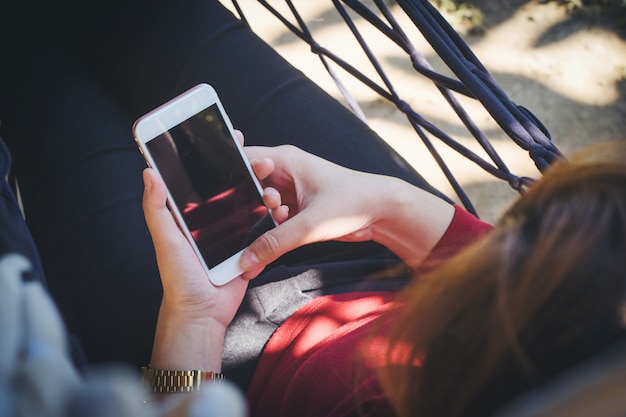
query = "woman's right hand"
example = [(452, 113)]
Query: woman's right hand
[(328, 202)]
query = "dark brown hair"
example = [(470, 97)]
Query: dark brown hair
[(543, 291)]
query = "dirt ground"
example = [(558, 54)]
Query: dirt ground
[(570, 71)]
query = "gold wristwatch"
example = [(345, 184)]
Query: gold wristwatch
[(157, 381)]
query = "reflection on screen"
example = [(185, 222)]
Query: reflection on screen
[(210, 185)]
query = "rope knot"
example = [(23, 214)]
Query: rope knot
[(541, 156), (403, 106), (516, 183), (316, 48)]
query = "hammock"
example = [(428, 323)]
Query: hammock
[(472, 80)]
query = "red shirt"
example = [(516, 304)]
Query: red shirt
[(322, 361)]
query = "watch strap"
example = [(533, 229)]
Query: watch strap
[(156, 381)]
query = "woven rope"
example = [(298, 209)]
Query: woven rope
[(472, 80)]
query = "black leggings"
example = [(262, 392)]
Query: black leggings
[(72, 81)]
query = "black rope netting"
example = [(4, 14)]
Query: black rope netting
[(473, 80)]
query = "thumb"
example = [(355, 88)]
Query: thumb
[(161, 224), (274, 243)]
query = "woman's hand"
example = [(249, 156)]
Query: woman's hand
[(319, 201), (194, 314)]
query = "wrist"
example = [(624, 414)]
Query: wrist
[(187, 342), (414, 223)]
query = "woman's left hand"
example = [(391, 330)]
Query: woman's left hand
[(194, 313)]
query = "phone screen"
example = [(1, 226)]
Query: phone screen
[(210, 185)]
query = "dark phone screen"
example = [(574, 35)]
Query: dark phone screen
[(211, 185)]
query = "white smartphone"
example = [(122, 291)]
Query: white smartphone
[(212, 192)]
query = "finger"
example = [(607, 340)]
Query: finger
[(280, 214), (262, 167), (161, 224), (271, 198), (249, 275), (239, 136), (258, 152), (276, 242)]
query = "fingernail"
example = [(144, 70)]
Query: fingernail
[(249, 261)]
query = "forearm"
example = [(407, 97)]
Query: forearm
[(414, 223)]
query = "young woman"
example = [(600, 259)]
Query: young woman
[(542, 292)]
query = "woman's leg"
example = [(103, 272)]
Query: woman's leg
[(80, 178), (172, 46)]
